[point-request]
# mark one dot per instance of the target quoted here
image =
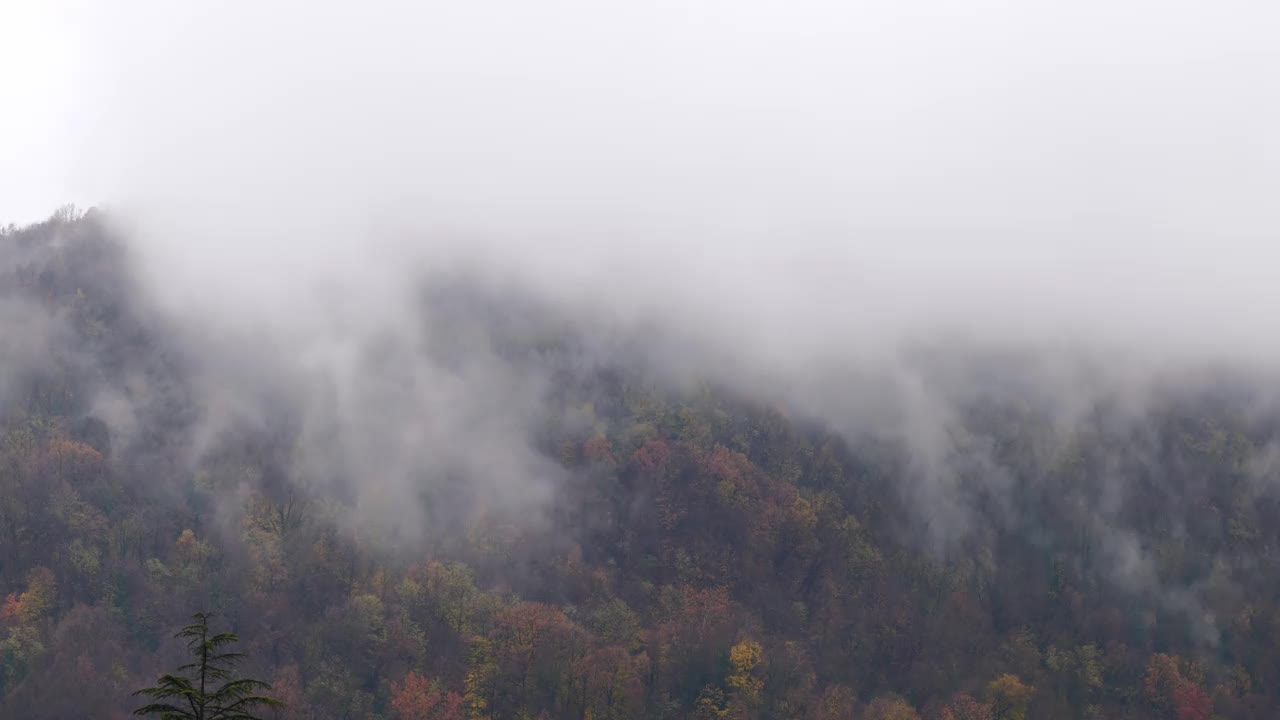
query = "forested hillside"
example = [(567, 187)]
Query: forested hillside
[(667, 549)]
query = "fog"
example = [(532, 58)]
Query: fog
[(815, 176), (811, 202)]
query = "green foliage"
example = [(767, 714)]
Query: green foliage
[(211, 691), (18, 652)]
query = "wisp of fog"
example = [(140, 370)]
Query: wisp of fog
[(830, 206)]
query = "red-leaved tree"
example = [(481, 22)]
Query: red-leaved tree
[(419, 699), (1191, 702)]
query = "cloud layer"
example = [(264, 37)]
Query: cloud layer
[(870, 213)]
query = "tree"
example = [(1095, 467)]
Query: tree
[(179, 697), (710, 704), (1009, 697), (1174, 695), (419, 699), (1162, 678), (836, 703), (965, 707), (1191, 702), (744, 658), (890, 708)]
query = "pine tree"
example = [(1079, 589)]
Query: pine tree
[(194, 697)]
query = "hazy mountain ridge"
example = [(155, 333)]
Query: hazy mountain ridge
[(531, 511)]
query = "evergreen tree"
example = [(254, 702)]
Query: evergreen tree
[(194, 696)]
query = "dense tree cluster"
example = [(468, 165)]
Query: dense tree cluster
[(705, 557)]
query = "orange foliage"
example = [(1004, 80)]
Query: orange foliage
[(726, 465), (597, 448), (521, 627), (653, 455), (69, 459), (12, 608), (31, 605), (418, 699)]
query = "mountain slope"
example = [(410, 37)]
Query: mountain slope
[(507, 513)]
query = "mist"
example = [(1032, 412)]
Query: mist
[(833, 179), (854, 211), (819, 355)]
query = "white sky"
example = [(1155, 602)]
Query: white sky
[(694, 109), (1110, 163), (39, 76)]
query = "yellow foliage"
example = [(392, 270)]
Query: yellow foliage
[(745, 657), (710, 704), (804, 512), (1009, 697), (31, 605), (476, 704)]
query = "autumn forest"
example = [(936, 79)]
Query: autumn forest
[(608, 542)]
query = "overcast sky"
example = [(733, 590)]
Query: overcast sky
[(1109, 165)]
